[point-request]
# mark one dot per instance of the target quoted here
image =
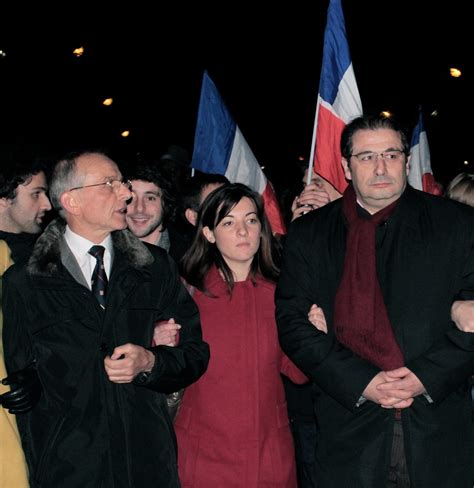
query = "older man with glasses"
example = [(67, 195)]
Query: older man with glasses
[(83, 309), (391, 376)]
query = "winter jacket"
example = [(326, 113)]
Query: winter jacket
[(87, 431)]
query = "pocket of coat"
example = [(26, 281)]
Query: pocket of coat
[(60, 321), (48, 448), (277, 464)]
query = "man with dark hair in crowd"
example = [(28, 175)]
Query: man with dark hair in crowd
[(23, 205), (154, 209), (391, 375), (196, 191)]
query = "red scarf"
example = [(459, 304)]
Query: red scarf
[(361, 319)]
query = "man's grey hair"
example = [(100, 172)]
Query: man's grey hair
[(65, 177)]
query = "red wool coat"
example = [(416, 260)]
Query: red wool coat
[(232, 427)]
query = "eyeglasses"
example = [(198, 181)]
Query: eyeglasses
[(392, 156), (111, 183)]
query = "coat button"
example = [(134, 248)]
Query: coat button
[(103, 347)]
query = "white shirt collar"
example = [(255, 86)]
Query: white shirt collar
[(80, 249)]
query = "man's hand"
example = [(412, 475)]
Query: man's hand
[(25, 391), (166, 333), (127, 361), (402, 384), (387, 398), (462, 314), (311, 198)]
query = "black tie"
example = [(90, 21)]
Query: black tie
[(99, 277)]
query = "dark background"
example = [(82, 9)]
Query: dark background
[(264, 60)]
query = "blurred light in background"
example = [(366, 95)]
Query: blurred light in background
[(454, 72), (78, 52)]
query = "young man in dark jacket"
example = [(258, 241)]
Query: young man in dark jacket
[(23, 205)]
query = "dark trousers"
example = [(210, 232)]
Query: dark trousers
[(305, 438), (398, 475)]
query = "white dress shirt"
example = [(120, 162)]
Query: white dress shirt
[(80, 249)]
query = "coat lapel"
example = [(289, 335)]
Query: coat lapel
[(70, 263)]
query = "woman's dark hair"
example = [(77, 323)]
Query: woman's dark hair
[(202, 254)]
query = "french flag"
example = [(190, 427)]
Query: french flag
[(338, 99), (420, 175), (220, 147)]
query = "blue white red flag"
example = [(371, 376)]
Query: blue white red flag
[(420, 175), (338, 99), (220, 147)]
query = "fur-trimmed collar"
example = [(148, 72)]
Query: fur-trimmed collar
[(46, 257)]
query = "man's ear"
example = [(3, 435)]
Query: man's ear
[(209, 235), (191, 216), (5, 202), (408, 164), (70, 203), (346, 168)]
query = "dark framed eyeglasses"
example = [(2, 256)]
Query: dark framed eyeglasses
[(392, 155), (112, 183)]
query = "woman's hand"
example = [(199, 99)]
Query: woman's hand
[(166, 333), (317, 318)]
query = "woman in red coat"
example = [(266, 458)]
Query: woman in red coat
[(232, 426)]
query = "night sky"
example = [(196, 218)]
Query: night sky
[(150, 59)]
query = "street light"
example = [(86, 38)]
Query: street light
[(454, 72)]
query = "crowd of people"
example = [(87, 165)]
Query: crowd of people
[(339, 355)]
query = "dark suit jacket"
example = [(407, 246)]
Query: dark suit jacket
[(86, 430), (425, 258)]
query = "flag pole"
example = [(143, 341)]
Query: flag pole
[(313, 145)]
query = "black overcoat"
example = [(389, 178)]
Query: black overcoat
[(87, 431), (425, 260)]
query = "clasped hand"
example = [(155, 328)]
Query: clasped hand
[(390, 389), (394, 389), (126, 361)]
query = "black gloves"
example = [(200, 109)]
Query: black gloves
[(25, 391)]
